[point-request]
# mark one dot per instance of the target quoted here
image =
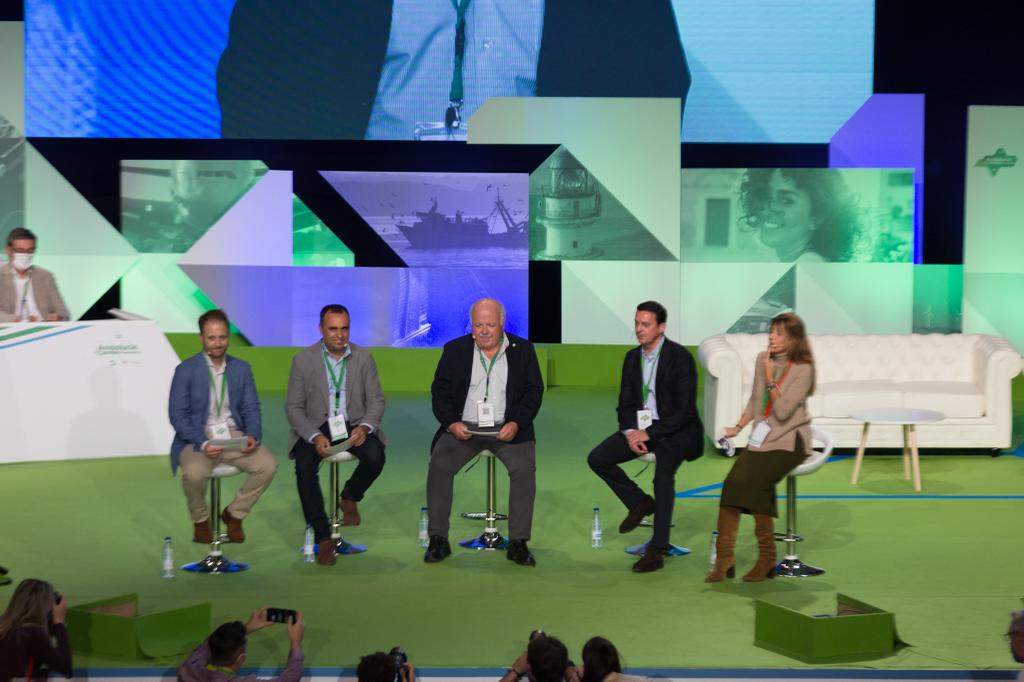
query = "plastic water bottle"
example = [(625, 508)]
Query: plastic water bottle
[(596, 533), (307, 546), (424, 534), (713, 554), (168, 564)]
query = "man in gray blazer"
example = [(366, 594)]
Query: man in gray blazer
[(27, 292), (333, 394)]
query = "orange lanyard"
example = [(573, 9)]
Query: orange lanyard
[(768, 394)]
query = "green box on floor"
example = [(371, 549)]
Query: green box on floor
[(857, 631), (114, 627)]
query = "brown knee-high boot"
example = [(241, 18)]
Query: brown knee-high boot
[(764, 530), (725, 546)]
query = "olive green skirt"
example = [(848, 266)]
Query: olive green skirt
[(750, 484)]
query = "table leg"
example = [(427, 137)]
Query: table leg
[(860, 453), (915, 458), (906, 452)]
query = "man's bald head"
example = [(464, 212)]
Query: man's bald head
[(487, 317)]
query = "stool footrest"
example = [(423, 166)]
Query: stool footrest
[(480, 516)]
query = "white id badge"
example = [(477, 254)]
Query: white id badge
[(644, 419), (485, 414), (759, 433), (337, 427), (220, 431)]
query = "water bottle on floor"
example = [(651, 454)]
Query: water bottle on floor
[(424, 535), (307, 546), (596, 532), (713, 554), (168, 562)]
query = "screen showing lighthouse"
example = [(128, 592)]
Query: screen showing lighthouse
[(475, 220)]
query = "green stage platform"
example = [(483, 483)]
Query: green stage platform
[(946, 562)]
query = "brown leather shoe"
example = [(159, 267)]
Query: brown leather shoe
[(235, 532), (651, 560), (350, 513), (202, 533), (637, 514), (325, 552)]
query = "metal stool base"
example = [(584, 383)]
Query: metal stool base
[(482, 516), (486, 540), (674, 550), (343, 547), (216, 563), (792, 567)]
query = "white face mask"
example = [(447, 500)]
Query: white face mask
[(21, 261)]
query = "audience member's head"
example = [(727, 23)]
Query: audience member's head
[(30, 605), (600, 658), (1016, 635), (376, 667), (548, 659), (227, 645)]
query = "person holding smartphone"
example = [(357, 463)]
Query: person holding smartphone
[(221, 655), (779, 441), (33, 620)]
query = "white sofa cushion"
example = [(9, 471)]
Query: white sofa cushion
[(838, 398), (952, 398)]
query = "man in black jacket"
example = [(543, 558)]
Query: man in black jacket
[(657, 412), (485, 380)]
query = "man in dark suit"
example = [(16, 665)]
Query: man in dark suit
[(312, 70), (488, 379), (213, 397), (334, 394), (657, 412)]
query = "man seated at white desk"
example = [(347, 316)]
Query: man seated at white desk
[(27, 292)]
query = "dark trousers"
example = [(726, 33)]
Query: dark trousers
[(614, 450), (307, 476), (450, 454)]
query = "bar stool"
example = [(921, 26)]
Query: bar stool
[(491, 538), (638, 550), (215, 561), (341, 545), (791, 566)]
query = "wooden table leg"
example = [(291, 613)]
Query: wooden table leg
[(860, 453), (906, 452), (915, 458)]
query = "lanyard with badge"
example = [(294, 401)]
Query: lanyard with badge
[(23, 306), (336, 422), (761, 429), (453, 127), (645, 416), (484, 409), (219, 429)]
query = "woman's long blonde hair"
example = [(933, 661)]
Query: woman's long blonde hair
[(29, 606)]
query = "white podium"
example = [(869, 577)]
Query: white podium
[(79, 390)]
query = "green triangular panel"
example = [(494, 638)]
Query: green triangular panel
[(996, 297), (778, 298), (313, 243), (564, 193), (714, 296), (856, 298)]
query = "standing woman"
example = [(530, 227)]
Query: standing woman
[(779, 441), (26, 640)]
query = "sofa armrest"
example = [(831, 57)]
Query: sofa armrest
[(720, 359), (723, 384), (996, 363)]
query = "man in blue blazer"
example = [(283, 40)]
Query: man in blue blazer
[(657, 412), (213, 397), (486, 380)]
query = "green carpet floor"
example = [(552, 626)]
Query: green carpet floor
[(947, 561)]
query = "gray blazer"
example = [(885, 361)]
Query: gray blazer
[(44, 289), (306, 403)]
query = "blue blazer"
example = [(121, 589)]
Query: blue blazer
[(190, 402)]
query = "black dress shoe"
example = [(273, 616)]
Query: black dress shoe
[(637, 514), (437, 550), (520, 553), (653, 558)]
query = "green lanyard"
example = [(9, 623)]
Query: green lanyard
[(487, 369), (337, 382), (218, 405), (455, 93), (22, 309), (645, 390), (220, 669)]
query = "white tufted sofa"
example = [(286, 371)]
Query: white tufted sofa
[(965, 376)]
